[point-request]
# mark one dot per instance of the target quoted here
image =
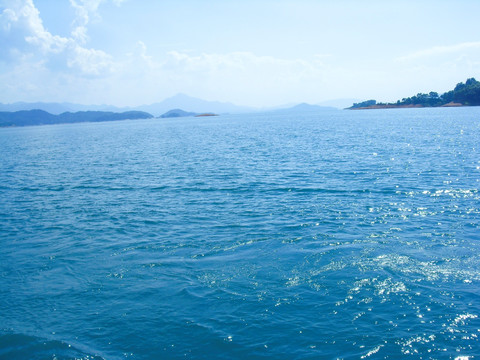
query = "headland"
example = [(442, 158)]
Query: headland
[(464, 94)]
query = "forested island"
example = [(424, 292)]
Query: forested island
[(177, 113), (464, 94), (181, 113), (40, 117)]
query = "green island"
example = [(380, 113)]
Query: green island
[(181, 113), (464, 94)]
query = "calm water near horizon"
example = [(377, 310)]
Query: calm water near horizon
[(349, 234)]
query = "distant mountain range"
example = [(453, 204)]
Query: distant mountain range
[(339, 103), (306, 108), (195, 105), (174, 113), (57, 108), (179, 101), (300, 108), (40, 117)]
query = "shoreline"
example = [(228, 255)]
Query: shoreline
[(393, 106)]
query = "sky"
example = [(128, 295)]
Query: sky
[(256, 53)]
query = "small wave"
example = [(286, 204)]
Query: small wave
[(21, 346), (314, 190), (372, 352), (447, 271), (453, 193)]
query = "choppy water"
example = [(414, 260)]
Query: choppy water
[(340, 235)]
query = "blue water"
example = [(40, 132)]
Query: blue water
[(350, 234)]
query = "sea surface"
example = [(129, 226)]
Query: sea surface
[(344, 234)]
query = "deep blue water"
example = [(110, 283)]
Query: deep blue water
[(351, 234)]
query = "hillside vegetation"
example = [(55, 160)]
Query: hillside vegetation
[(464, 94)]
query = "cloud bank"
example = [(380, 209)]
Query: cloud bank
[(436, 51), (39, 65), (36, 55), (20, 20)]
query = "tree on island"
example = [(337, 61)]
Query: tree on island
[(467, 94), (428, 100), (364, 104)]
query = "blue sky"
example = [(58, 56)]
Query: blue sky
[(249, 52)]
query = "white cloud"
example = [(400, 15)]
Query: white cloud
[(91, 61), (24, 35), (244, 65), (22, 26), (86, 10), (6, 18), (250, 78), (147, 60), (441, 50)]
